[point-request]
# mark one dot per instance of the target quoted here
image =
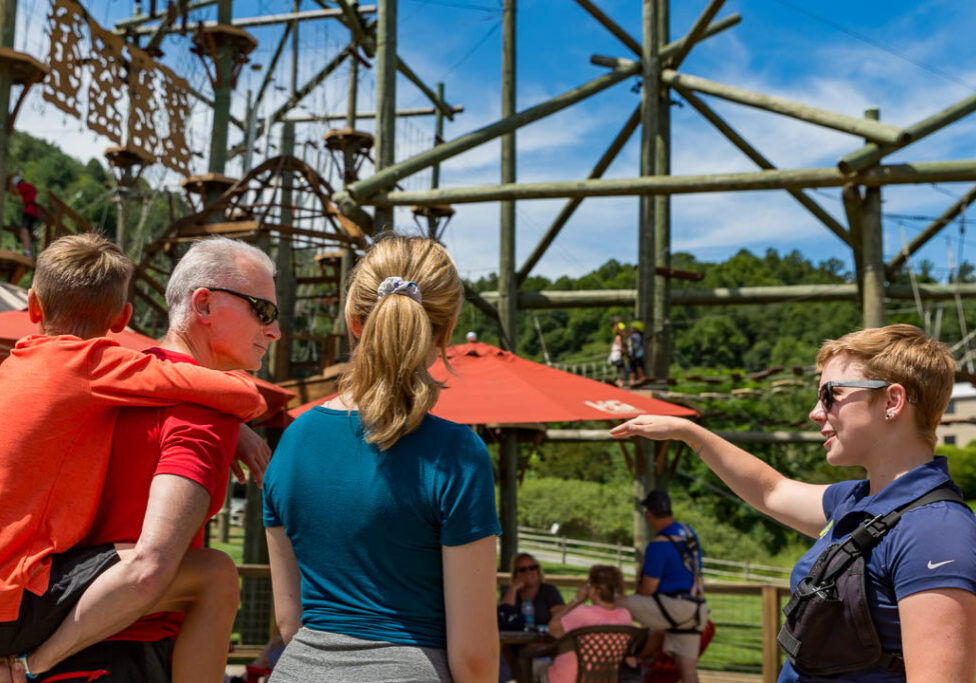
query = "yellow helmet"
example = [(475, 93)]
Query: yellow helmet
[(638, 325)]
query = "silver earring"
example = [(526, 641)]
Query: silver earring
[(888, 416)]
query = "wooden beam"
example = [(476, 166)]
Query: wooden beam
[(762, 162), (895, 174), (254, 22), (873, 130), (727, 296), (576, 435), (873, 152), (610, 25), (929, 232), (570, 207), (388, 176), (696, 33)]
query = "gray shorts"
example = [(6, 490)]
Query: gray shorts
[(323, 657), (645, 610)]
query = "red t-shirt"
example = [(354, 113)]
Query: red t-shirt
[(186, 440), (28, 197)]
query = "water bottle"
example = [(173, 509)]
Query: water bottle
[(528, 614)]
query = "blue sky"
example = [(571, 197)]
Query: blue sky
[(910, 58)]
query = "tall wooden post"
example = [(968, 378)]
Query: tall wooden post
[(221, 111), (435, 171), (349, 154), (8, 24), (507, 285), (348, 176), (285, 282), (872, 252), (650, 115), (661, 331), (386, 58)]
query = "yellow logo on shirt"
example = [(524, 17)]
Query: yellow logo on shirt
[(823, 532)]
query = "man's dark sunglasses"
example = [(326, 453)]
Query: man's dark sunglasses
[(265, 311), (826, 395), (530, 568)]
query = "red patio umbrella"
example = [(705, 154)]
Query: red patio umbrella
[(17, 324), (495, 386)]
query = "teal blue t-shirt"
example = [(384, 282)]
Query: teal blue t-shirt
[(367, 526)]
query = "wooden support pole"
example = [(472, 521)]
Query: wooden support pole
[(8, 25), (895, 174), (438, 102), (221, 110), (872, 282), (508, 457), (610, 25), (644, 482), (435, 171), (349, 154), (854, 208), (507, 285), (671, 49), (726, 296), (659, 357), (388, 176), (929, 232), (770, 629), (570, 207), (873, 130), (872, 152), (386, 47), (762, 162), (355, 23), (696, 33), (650, 112)]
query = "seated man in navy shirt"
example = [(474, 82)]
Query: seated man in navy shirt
[(670, 593)]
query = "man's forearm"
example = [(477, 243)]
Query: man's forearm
[(177, 507)]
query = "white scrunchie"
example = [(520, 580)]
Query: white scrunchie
[(397, 285)]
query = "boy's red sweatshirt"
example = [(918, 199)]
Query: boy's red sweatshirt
[(59, 397)]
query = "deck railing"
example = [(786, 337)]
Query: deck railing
[(746, 617)]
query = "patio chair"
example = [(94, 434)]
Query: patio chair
[(663, 669), (600, 650)]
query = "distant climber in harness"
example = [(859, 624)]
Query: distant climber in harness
[(670, 595), (29, 215)]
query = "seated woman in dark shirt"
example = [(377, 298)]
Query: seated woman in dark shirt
[(527, 584)]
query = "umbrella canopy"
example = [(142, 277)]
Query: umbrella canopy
[(495, 386), (17, 324)]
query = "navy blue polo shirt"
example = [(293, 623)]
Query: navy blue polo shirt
[(663, 561), (932, 547)]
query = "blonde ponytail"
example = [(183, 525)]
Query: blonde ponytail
[(388, 378)]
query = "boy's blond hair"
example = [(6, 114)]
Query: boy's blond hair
[(82, 284), (902, 354)]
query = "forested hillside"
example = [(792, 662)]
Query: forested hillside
[(586, 487)]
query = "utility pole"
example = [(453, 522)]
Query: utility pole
[(8, 24), (508, 288), (386, 61)]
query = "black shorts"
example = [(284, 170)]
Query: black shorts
[(118, 661), (27, 222), (40, 615)]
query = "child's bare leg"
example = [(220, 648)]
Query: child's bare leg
[(207, 590), (205, 586)]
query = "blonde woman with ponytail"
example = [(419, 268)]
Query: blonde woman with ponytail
[(381, 517)]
